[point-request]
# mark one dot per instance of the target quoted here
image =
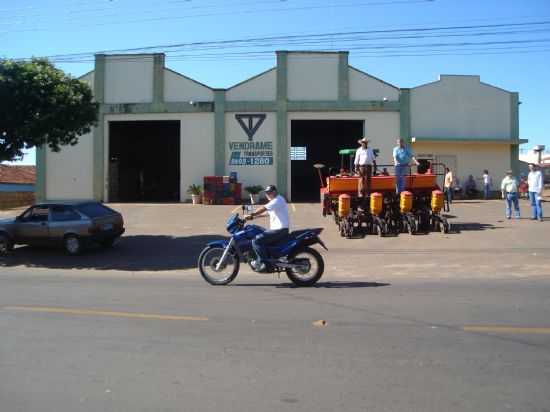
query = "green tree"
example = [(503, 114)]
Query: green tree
[(40, 104)]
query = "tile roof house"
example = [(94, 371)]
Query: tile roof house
[(17, 178)]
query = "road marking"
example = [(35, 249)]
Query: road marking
[(507, 329), (236, 209), (68, 311)]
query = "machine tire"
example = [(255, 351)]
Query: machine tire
[(72, 245), (6, 245), (211, 280), (316, 276)]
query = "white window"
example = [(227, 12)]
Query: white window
[(298, 153)]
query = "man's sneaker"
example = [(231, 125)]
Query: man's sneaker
[(258, 265)]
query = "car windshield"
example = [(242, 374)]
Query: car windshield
[(94, 210)]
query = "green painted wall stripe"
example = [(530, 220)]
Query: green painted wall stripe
[(514, 132), (251, 106), (343, 76), (158, 78), (98, 132), (467, 139), (338, 106), (219, 132), (405, 114), (41, 173), (282, 123)]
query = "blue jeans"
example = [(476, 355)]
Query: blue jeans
[(400, 173), (512, 199), (263, 240), (449, 196), (536, 205), (486, 191)]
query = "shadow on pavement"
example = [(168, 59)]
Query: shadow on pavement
[(130, 253), (327, 285), (471, 226)]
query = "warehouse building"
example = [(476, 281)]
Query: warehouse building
[(160, 131)]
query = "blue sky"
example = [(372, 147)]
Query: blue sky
[(47, 27)]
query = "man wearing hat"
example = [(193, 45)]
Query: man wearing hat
[(364, 161), (277, 208), (536, 185), (509, 188)]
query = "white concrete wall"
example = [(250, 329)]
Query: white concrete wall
[(259, 88), (382, 128), (312, 76), (252, 175), (129, 79), (178, 88), (88, 78), (365, 87), (471, 158), (69, 173), (460, 106), (196, 145)]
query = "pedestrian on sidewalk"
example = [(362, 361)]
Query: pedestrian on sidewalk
[(509, 188), (448, 188), (487, 184), (536, 185)]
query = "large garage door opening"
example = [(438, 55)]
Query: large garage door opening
[(144, 161), (318, 141)]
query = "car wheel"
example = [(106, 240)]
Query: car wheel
[(6, 245), (72, 244)]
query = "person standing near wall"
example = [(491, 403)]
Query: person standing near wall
[(402, 156), (509, 189), (364, 162), (536, 185), (448, 188), (487, 184)]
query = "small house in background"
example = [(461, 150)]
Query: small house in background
[(17, 186)]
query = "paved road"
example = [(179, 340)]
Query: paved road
[(92, 340)]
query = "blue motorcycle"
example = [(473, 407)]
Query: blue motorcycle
[(219, 262)]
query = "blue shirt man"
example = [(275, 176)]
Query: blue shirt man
[(402, 156)]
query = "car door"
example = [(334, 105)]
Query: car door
[(33, 226), (64, 219)]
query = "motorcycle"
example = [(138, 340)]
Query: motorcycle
[(220, 260)]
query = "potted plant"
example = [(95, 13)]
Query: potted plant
[(196, 192), (254, 192)]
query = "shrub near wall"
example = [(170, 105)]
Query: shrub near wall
[(10, 200)]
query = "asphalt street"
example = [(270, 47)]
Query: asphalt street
[(76, 342), (457, 322)]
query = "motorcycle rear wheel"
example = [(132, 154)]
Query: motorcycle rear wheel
[(315, 269), (209, 258)]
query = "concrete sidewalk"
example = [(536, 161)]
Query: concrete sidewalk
[(165, 239)]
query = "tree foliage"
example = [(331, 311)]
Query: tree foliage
[(40, 104)]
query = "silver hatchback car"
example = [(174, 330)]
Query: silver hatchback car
[(73, 225)]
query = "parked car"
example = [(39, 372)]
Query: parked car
[(73, 225)]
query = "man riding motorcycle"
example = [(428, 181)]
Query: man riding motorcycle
[(277, 208)]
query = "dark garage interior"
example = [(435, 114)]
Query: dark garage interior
[(322, 139), (144, 161)]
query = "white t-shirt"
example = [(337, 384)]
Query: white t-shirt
[(487, 179), (534, 180), (278, 213), (364, 156)]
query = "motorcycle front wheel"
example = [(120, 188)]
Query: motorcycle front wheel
[(311, 267), (208, 261)]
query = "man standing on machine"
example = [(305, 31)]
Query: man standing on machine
[(402, 156), (364, 162)]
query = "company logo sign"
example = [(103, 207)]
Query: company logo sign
[(250, 123), (251, 153)]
